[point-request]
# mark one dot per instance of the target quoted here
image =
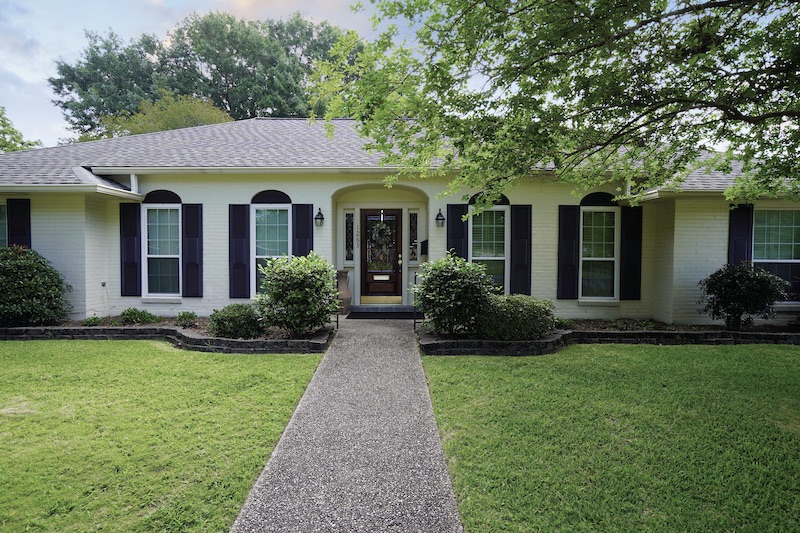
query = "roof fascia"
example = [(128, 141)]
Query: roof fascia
[(84, 189), (117, 171)]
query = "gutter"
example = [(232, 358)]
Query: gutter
[(84, 189), (118, 171)]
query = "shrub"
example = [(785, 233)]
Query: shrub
[(516, 317), (737, 293), (451, 293), (91, 321), (235, 321), (32, 292), (132, 316), (298, 293), (186, 319)]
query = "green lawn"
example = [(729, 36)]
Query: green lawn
[(136, 435), (621, 438)]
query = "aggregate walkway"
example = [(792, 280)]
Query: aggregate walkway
[(362, 451)]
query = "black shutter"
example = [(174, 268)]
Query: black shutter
[(18, 217), (192, 250), (457, 229), (521, 249), (630, 267), (302, 229), (130, 249), (239, 250), (740, 234), (568, 251)]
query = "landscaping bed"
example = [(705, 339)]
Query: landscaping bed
[(623, 331), (196, 339)]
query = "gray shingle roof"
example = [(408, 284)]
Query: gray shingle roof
[(259, 143), (254, 143)]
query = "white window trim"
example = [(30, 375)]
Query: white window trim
[(506, 245), (617, 235), (145, 279), (253, 209)]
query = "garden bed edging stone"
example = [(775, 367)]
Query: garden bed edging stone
[(179, 337)]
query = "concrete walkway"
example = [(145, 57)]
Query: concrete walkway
[(362, 451)]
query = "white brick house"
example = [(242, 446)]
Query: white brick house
[(178, 220)]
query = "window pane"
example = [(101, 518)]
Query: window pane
[(272, 232), (163, 275), (496, 269), (348, 236), (3, 227), (776, 235), (597, 279), (163, 232), (788, 271), (598, 234), (489, 234)]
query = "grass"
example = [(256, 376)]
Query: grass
[(136, 435), (621, 438)]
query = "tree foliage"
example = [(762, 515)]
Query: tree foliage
[(593, 91), (110, 78), (245, 68), (170, 112), (11, 139)]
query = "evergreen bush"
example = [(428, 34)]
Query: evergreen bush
[(452, 294), (186, 319), (737, 293), (132, 316), (516, 317), (298, 293), (235, 321), (32, 292)]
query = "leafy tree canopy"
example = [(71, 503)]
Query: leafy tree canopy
[(245, 68), (11, 139), (593, 91), (169, 112)]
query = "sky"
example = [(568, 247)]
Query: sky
[(34, 34)]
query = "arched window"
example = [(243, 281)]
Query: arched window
[(599, 249), (489, 240), (161, 226), (271, 228)]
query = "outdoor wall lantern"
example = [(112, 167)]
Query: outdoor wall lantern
[(319, 220), (439, 219)]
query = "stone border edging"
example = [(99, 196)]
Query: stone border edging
[(430, 345), (179, 337)]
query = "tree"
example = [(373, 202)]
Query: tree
[(245, 68), (593, 91), (110, 78), (237, 64), (11, 139), (170, 112)]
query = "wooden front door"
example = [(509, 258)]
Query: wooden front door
[(382, 259)]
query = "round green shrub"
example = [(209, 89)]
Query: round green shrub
[(132, 316), (737, 293), (298, 294), (235, 321), (32, 292), (186, 319), (516, 317), (452, 293)]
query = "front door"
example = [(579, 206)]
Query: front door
[(382, 260)]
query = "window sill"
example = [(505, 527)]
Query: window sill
[(161, 299), (598, 303)]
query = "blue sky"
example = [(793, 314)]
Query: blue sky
[(34, 34)]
